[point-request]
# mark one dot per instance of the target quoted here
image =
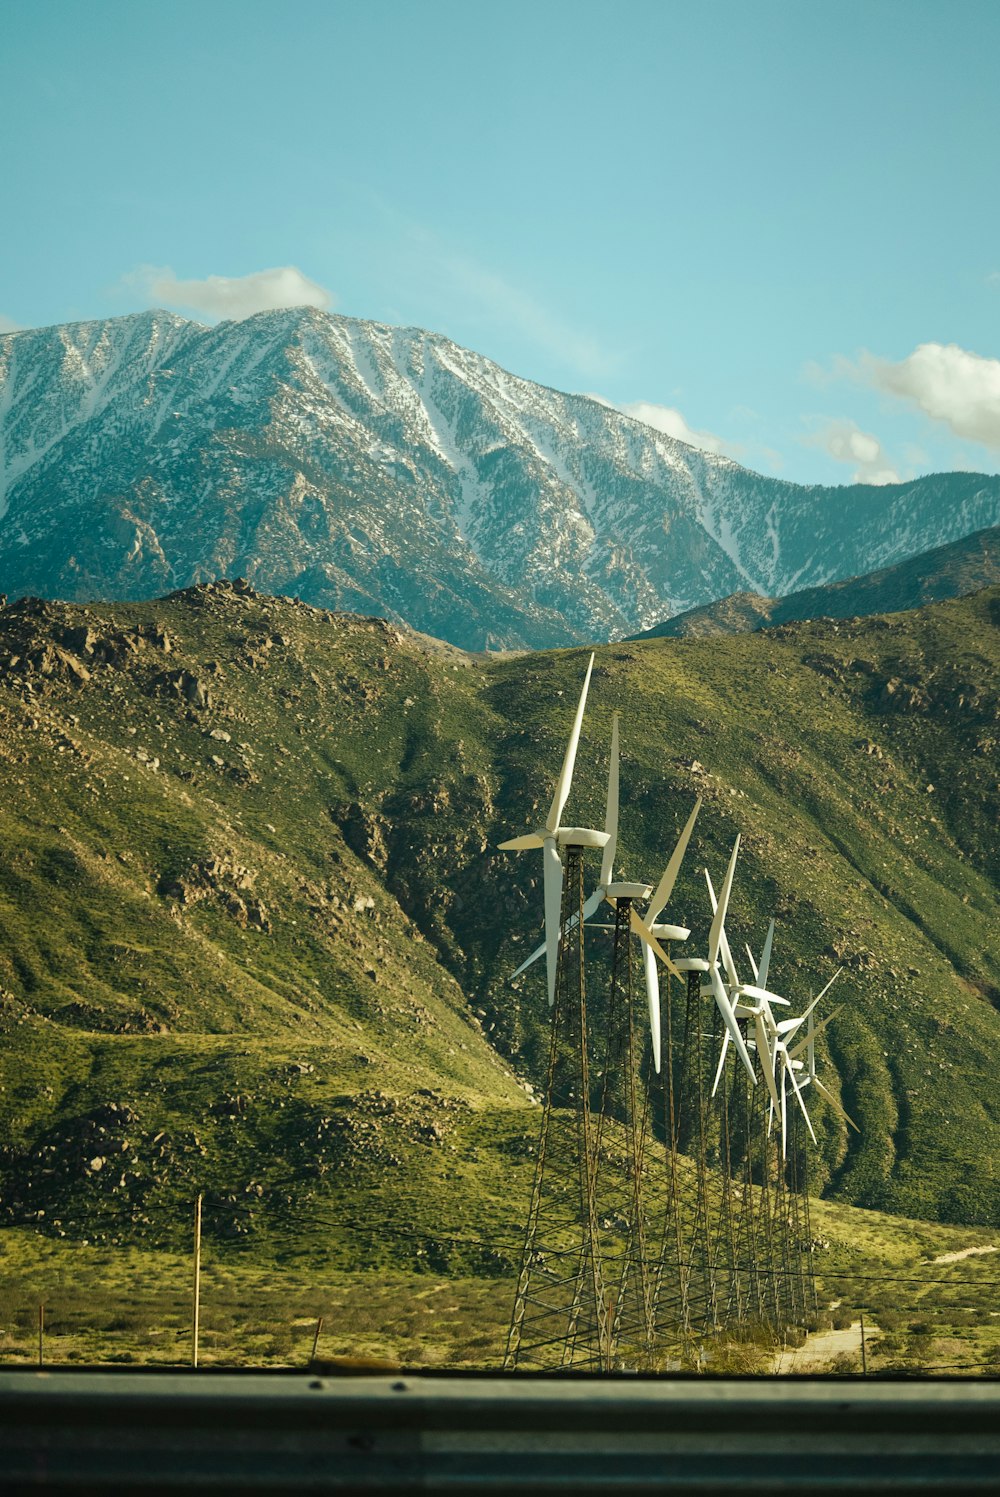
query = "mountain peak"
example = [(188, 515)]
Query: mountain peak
[(389, 470)]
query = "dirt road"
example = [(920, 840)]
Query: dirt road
[(971, 1252), (822, 1349)]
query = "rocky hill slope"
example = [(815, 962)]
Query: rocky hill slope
[(949, 571), (386, 470), (255, 934)]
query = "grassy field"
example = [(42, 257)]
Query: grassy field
[(133, 1305)]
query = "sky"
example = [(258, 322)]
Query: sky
[(770, 227)]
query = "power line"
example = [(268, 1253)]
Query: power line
[(373, 1228)]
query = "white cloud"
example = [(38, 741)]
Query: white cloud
[(8, 325), (847, 443), (231, 297), (948, 384), (877, 476), (670, 421)]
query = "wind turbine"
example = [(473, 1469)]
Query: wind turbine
[(647, 927), (808, 1044), (719, 945), (776, 1035), (607, 859), (791, 1064), (651, 931), (552, 838)]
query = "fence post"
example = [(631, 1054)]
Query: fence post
[(197, 1282), (41, 1334), (319, 1327), (864, 1352)]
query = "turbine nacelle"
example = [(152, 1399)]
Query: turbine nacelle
[(621, 890), (563, 836), (581, 836), (669, 932)]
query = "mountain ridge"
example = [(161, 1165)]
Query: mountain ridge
[(388, 470), (950, 571)]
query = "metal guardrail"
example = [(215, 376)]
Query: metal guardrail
[(225, 1432)]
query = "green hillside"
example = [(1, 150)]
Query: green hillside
[(255, 934)]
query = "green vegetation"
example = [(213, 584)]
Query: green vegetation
[(133, 1305), (929, 1294), (254, 932)]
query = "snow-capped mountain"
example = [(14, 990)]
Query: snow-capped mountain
[(387, 470)]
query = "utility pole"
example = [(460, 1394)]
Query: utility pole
[(864, 1352), (41, 1333), (196, 1308)]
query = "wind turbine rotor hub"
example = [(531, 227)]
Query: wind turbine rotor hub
[(581, 836), (691, 964)]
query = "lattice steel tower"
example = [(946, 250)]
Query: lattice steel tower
[(562, 1316)]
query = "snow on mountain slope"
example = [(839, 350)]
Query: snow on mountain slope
[(390, 471)]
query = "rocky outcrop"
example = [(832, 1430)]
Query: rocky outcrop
[(226, 882)]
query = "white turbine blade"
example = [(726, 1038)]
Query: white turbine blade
[(653, 1000), (717, 932), (823, 991), (591, 905), (729, 1019), (835, 1104), (789, 1026), (722, 1062), (811, 1047), (761, 994), (553, 905), (724, 951), (571, 924), (727, 961), (565, 779), (790, 1073), (753, 964), (518, 844), (797, 1050), (765, 956), (650, 941), (530, 960), (611, 811), (766, 1057), (665, 887)]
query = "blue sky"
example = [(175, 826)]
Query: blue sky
[(773, 225)]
